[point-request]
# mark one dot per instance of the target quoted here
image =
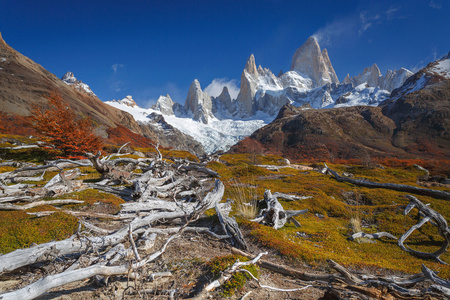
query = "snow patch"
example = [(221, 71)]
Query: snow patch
[(442, 68)]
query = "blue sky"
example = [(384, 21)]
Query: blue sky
[(149, 48)]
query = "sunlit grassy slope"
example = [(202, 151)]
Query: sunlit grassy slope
[(327, 225)]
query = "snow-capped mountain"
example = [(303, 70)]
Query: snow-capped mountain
[(219, 122), (214, 136), (434, 72), (70, 79)]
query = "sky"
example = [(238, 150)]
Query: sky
[(151, 48)]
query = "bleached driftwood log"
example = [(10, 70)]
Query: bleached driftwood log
[(392, 186), (19, 147), (429, 215), (275, 215)]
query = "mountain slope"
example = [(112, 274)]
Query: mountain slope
[(24, 83)]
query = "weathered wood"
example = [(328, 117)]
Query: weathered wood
[(230, 226), (19, 147), (392, 186), (371, 235), (75, 244), (274, 215), (38, 203), (41, 286), (434, 278), (438, 219), (198, 169), (285, 270)]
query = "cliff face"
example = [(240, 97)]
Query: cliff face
[(311, 61)]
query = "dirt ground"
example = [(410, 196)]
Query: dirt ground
[(186, 259)]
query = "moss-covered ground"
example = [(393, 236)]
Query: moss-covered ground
[(327, 225)]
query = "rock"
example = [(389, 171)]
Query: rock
[(198, 103), (165, 105), (246, 97), (310, 61), (70, 79)]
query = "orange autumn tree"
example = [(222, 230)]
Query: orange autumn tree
[(63, 129)]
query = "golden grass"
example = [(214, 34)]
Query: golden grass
[(245, 199), (327, 238)]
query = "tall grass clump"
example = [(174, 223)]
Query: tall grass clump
[(245, 199)]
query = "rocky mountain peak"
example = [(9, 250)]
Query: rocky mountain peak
[(250, 66), (309, 60), (198, 103), (165, 105), (128, 101), (70, 79)]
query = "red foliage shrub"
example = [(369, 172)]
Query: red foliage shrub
[(120, 135), (17, 125), (60, 125)]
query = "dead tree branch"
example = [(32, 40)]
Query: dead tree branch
[(392, 186)]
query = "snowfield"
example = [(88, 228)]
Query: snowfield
[(214, 136)]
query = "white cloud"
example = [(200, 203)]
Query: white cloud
[(365, 22), (435, 5), (116, 67), (335, 30), (390, 12), (216, 86)]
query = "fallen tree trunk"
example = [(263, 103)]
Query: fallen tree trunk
[(285, 270), (38, 203), (41, 286), (392, 186)]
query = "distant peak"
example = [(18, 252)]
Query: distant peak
[(250, 66), (69, 78), (195, 84)]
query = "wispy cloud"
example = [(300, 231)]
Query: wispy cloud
[(335, 30), (116, 67), (216, 86), (117, 85), (434, 4), (355, 25), (116, 82), (391, 12)]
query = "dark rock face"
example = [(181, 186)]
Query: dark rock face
[(169, 136)]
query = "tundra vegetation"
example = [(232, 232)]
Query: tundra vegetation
[(158, 223)]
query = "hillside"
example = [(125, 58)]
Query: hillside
[(24, 83)]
